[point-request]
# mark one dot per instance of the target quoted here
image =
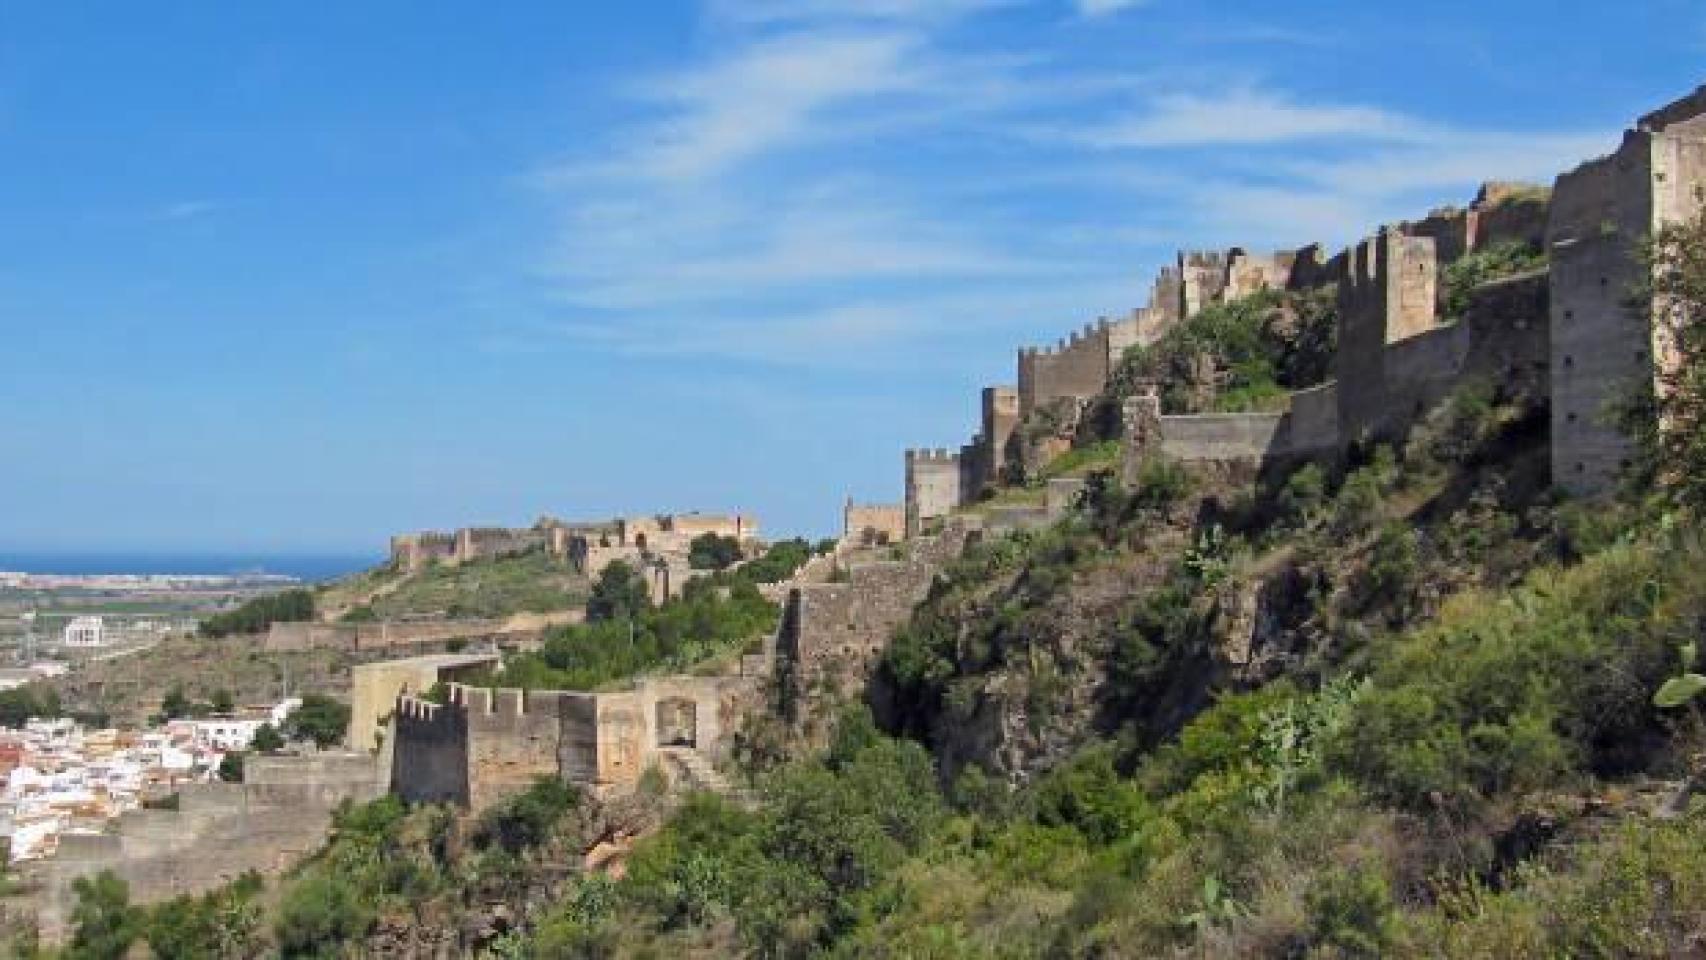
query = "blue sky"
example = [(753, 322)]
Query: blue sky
[(291, 277)]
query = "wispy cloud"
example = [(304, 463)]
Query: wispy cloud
[(186, 210), (1246, 117), (803, 11), (836, 182), (764, 98), (1103, 8)]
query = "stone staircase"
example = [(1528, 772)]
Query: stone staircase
[(690, 767)]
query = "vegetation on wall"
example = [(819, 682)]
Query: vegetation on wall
[(1240, 356), (1458, 279), (705, 623)]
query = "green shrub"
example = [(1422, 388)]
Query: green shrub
[(320, 914), (527, 819), (1459, 278), (1516, 692), (1351, 909), (255, 616)]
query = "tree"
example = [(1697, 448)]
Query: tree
[(710, 551), (1678, 299), (620, 594), (256, 615), (175, 704), (267, 739), (105, 923), (231, 767), (31, 700), (222, 701), (320, 718)]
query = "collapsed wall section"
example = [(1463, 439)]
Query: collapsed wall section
[(832, 633)]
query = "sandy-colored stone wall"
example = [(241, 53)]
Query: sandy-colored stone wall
[(219, 832), (878, 522), (933, 487), (375, 687), (831, 633)]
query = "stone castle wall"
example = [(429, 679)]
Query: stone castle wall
[(390, 635), (483, 746), (933, 487), (831, 633), (220, 831), (1077, 367), (1602, 350), (884, 522)]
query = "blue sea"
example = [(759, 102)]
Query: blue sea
[(307, 568)]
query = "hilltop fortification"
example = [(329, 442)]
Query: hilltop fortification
[(1564, 335)]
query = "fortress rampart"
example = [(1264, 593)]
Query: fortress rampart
[(483, 745), (831, 633), (220, 830), (578, 542)]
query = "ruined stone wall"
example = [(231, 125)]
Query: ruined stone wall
[(1000, 417), (412, 551), (486, 543), (219, 832), (1248, 274), (429, 762), (1219, 436), (1601, 349), (375, 687), (690, 525), (1511, 214), (1076, 367), (512, 739), (519, 630), (1311, 268), (485, 746), (1387, 294), (885, 522), (1313, 421), (933, 488), (1203, 276), (1509, 336), (832, 633)]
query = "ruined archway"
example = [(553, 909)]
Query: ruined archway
[(677, 722)]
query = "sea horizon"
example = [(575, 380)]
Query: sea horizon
[(307, 567)]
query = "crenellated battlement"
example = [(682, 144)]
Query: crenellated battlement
[(927, 456)]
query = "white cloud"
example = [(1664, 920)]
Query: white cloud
[(1103, 8), (766, 97), (836, 184), (186, 210), (751, 12), (1242, 117)]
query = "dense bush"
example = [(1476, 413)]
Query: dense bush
[(19, 704), (320, 718), (1516, 692), (707, 621), (1459, 278), (256, 615), (710, 551), (1244, 355), (620, 593)]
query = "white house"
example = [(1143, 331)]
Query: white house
[(86, 632)]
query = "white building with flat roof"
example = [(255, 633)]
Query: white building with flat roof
[(86, 632)]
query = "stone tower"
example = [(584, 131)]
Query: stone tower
[(1603, 347), (1387, 294)]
